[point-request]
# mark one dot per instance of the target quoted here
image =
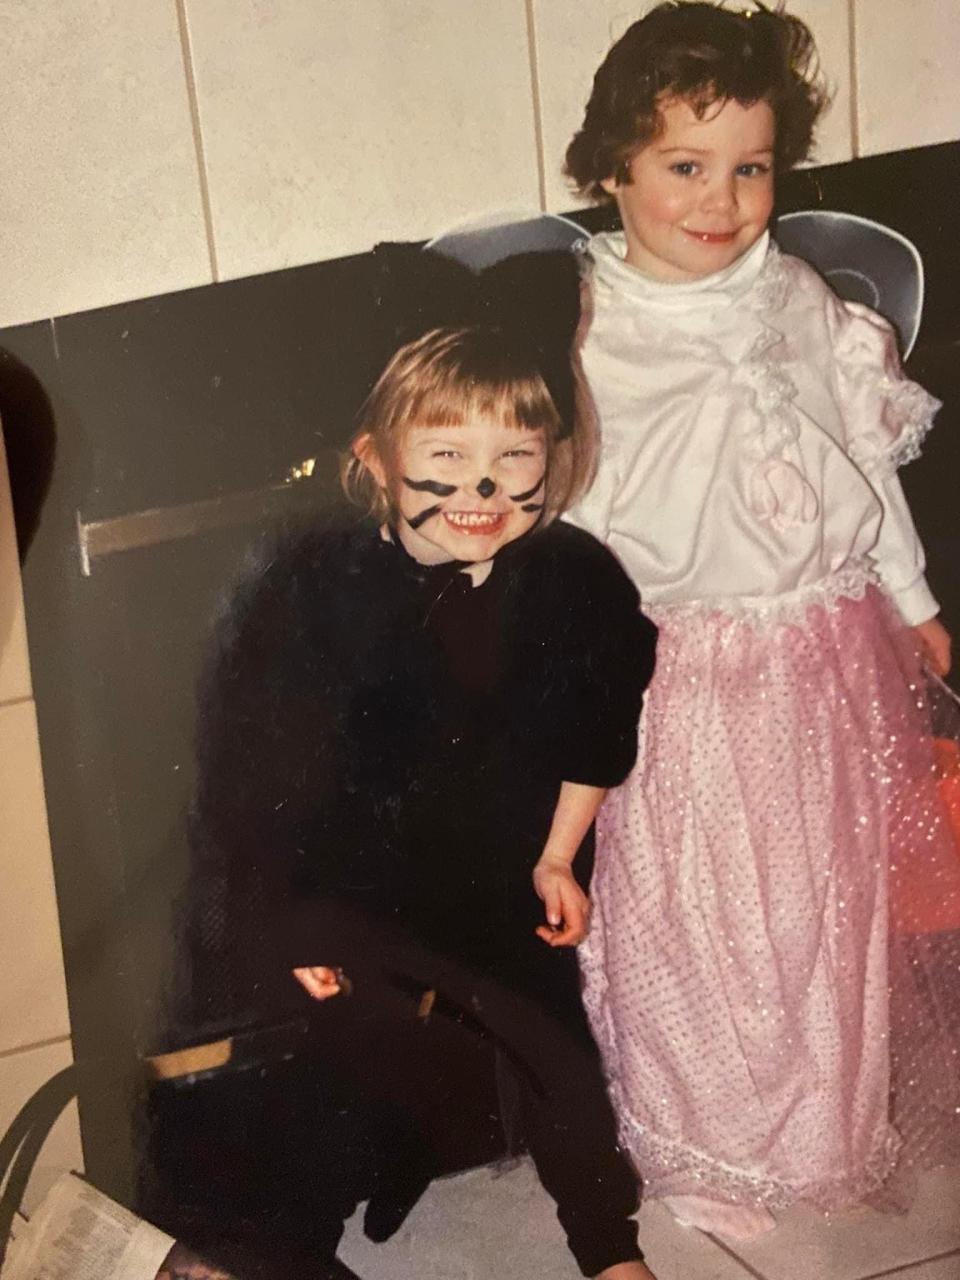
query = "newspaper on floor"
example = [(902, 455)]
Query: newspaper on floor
[(78, 1233)]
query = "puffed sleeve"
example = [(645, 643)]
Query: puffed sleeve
[(886, 417), (885, 414), (611, 647)]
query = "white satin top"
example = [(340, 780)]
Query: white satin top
[(752, 424)]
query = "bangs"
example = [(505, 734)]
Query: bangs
[(706, 87), (703, 98), (707, 76), (523, 404), (449, 377)]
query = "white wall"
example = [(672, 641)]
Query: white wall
[(906, 72), (149, 145)]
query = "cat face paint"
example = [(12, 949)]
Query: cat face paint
[(427, 486), (473, 469), (524, 498)]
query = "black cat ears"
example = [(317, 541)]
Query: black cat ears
[(519, 279)]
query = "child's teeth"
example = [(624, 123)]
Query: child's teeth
[(471, 518)]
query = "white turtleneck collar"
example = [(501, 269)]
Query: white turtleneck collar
[(608, 253)]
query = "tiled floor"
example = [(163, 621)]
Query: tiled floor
[(481, 1226)]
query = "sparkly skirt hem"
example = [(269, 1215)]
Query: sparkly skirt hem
[(670, 1168)]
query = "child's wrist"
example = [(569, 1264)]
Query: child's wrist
[(558, 859)]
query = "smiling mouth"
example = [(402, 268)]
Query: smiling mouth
[(711, 237), (474, 521)]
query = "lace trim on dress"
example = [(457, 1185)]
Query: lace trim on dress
[(671, 1168), (778, 489), (913, 409), (777, 486), (773, 284), (849, 583)]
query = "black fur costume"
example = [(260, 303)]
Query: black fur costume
[(381, 751), (384, 746)]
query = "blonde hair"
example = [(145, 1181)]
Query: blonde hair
[(449, 376)]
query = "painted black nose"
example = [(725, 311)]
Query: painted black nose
[(486, 488)]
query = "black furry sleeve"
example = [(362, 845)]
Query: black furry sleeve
[(272, 821), (609, 651)]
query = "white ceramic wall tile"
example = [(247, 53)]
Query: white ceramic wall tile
[(21, 1074), (829, 20), (14, 663), (572, 39), (329, 126), (100, 199), (33, 1001), (909, 91), (861, 1242)]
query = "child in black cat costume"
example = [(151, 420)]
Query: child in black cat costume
[(416, 719)]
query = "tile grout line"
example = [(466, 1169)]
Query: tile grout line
[(892, 1274), (748, 1270), (912, 1266), (537, 104), (854, 78), (37, 1044), (194, 101), (15, 702)]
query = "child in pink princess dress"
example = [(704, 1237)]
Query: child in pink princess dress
[(768, 1037)]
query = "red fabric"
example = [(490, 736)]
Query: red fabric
[(920, 901)]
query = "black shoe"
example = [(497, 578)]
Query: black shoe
[(389, 1206), (334, 1269)]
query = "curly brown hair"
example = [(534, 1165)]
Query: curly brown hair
[(703, 54)]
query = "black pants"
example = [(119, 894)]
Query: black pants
[(527, 1002)]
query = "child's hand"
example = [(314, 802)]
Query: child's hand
[(935, 644), (318, 981), (567, 906)]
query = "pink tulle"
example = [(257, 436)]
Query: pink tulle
[(768, 1037)]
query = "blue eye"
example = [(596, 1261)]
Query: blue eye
[(752, 170), (684, 168)]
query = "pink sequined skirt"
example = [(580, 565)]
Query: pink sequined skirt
[(768, 1037)]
